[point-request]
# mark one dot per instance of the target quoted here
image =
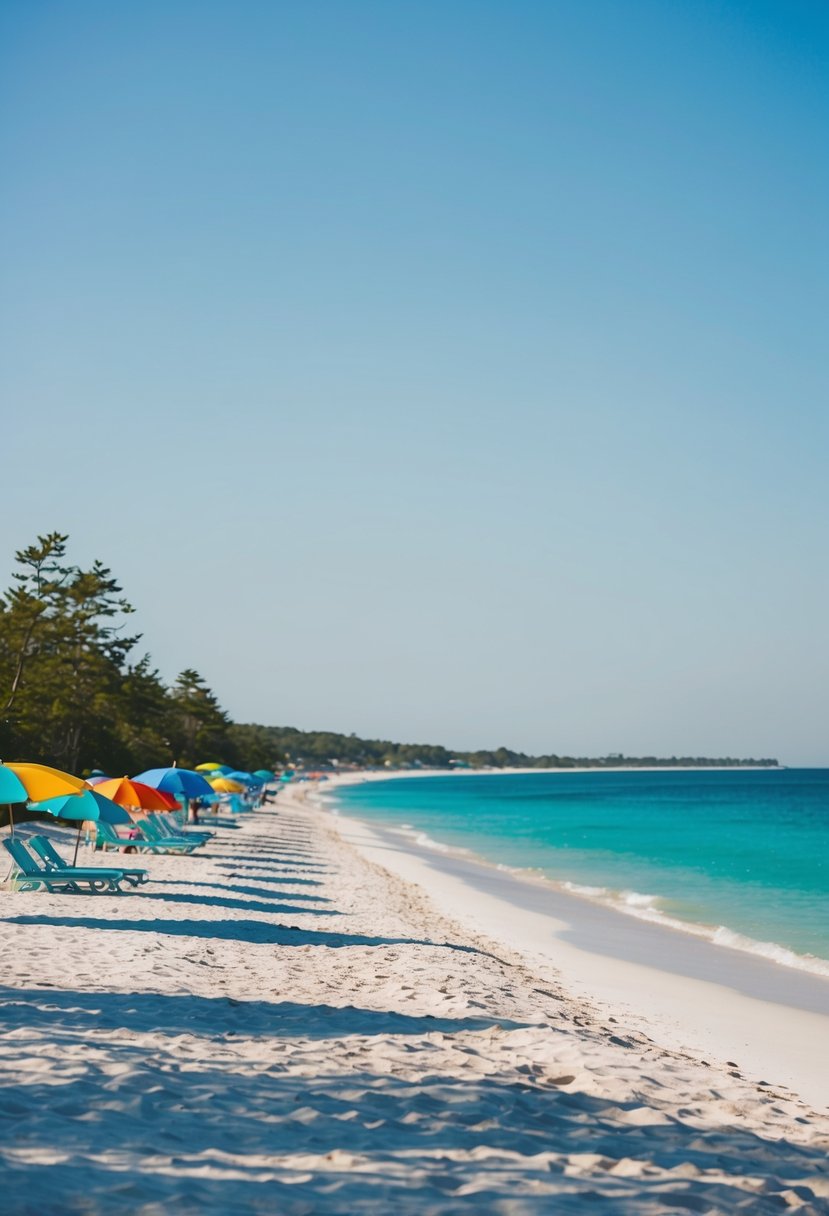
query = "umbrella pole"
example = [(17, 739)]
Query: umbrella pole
[(10, 871), (77, 842), (11, 819)]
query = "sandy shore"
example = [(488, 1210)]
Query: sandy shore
[(283, 1023)]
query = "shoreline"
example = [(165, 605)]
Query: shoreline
[(640, 908), (771, 1018)]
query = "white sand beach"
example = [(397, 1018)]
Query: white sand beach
[(305, 1017)]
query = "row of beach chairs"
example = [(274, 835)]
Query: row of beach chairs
[(38, 865), (44, 867), (152, 836)]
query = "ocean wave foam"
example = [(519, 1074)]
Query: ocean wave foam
[(576, 888), (771, 950), (426, 842), (634, 899), (645, 907), (635, 903)]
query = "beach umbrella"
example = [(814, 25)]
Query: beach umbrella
[(97, 778), (21, 781), (88, 806), (41, 781), (245, 778), (136, 794), (97, 772), (265, 774), (181, 782), (81, 808), (224, 785), (12, 788), (207, 767)]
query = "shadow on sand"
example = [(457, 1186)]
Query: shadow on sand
[(255, 932), (239, 905), (143, 1127), (293, 880), (183, 1013), (263, 892)]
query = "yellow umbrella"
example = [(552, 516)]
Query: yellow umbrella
[(43, 782), (35, 782), (208, 767), (223, 785)]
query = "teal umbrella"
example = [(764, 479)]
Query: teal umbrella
[(12, 788), (265, 774), (78, 808), (88, 805), (245, 778)]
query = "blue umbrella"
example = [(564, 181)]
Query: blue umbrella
[(245, 778), (182, 782)]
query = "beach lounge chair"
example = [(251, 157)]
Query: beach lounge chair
[(108, 838), (166, 828), (52, 859), (76, 880), (174, 844)]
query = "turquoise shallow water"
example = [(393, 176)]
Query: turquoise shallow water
[(741, 856)]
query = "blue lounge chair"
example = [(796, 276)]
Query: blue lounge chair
[(52, 859), (166, 828), (74, 880), (108, 838), (174, 844)]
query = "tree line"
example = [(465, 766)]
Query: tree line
[(318, 749), (74, 693)]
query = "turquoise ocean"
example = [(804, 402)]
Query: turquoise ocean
[(738, 856)]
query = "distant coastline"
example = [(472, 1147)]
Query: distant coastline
[(349, 776), (330, 749)]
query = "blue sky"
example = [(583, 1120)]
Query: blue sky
[(442, 371)]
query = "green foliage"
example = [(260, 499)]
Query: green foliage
[(69, 693), (197, 725), (266, 746), (72, 696)]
